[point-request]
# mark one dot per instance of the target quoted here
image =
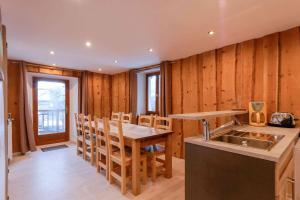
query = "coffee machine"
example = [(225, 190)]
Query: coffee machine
[(257, 113)]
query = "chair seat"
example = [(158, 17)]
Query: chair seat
[(116, 157)]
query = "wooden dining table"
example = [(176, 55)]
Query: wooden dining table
[(137, 137)]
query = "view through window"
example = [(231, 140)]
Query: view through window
[(153, 81), (51, 107)]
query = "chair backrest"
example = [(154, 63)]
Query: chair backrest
[(87, 126), (77, 123), (126, 118), (101, 136), (115, 140), (115, 116), (163, 123), (146, 120)]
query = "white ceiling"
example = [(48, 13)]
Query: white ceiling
[(126, 29)]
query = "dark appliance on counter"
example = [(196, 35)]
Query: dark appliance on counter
[(282, 119)]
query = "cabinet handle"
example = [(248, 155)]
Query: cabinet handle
[(292, 182)]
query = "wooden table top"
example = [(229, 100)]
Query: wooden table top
[(135, 132)]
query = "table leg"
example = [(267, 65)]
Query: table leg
[(168, 146), (136, 162)]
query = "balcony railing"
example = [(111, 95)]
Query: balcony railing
[(51, 121)]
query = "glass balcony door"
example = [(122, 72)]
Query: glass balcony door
[(51, 105)]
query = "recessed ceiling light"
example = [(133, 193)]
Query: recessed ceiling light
[(116, 61), (211, 33), (150, 50), (88, 44), (53, 64), (52, 52), (99, 69)]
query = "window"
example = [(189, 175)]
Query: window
[(153, 91), (50, 110)]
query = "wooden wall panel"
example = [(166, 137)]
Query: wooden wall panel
[(177, 108), (97, 94), (190, 101), (259, 70), (290, 71), (106, 96), (115, 93), (245, 73), (90, 96), (209, 85), (13, 74), (120, 92), (226, 79), (271, 72)]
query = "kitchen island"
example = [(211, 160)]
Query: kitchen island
[(219, 170)]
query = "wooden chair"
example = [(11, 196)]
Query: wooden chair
[(146, 120), (120, 160), (126, 118), (115, 116), (79, 139), (101, 148), (158, 150), (89, 139)]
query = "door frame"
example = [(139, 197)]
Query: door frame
[(54, 137)]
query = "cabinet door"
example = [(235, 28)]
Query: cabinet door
[(286, 190)]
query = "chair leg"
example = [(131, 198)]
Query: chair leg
[(92, 154), (97, 161), (123, 180), (84, 151), (153, 167), (107, 167), (77, 147), (109, 172)]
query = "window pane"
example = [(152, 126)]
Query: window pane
[(51, 107), (152, 93)]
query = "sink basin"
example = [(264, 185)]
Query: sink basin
[(250, 139)]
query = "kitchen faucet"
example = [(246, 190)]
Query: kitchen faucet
[(207, 133)]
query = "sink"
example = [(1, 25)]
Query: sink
[(250, 139)]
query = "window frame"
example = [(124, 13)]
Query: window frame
[(157, 74), (53, 137)]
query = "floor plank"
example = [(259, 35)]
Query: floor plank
[(60, 174)]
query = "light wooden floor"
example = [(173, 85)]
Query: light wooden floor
[(60, 174)]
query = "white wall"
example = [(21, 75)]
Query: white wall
[(73, 83)]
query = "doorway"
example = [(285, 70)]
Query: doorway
[(50, 110)]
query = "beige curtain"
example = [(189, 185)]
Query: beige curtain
[(165, 88), (26, 125), (86, 101)]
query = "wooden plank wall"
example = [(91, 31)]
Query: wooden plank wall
[(99, 94), (13, 72), (265, 69), (120, 92)]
